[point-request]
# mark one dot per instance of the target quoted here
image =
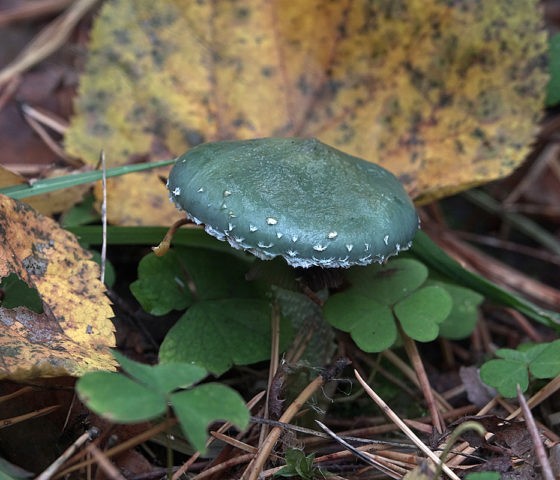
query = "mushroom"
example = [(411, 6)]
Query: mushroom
[(296, 198)]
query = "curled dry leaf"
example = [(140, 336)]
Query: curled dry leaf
[(74, 332), (444, 94)]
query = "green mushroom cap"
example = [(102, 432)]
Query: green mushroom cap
[(298, 198)]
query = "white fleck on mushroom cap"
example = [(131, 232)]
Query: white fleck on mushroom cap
[(298, 198)]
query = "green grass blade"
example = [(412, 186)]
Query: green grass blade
[(189, 237), (58, 183), (427, 251)]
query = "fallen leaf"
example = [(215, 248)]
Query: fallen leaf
[(138, 199), (59, 200), (74, 332), (48, 203), (444, 94), (9, 178)]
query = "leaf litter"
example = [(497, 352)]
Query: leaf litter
[(74, 332)]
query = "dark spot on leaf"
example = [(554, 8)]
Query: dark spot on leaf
[(243, 13), (267, 71), (193, 137), (387, 272), (122, 37), (35, 265)]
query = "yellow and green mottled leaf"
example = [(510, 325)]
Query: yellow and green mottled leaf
[(73, 334), (444, 94)]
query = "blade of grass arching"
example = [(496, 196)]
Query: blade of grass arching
[(436, 258), (46, 185), (188, 237)]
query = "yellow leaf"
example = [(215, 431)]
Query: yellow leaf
[(74, 333), (48, 203), (9, 178), (59, 200), (138, 199), (444, 94)]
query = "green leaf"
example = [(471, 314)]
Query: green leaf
[(370, 323), (511, 355), (462, 319), (16, 293), (110, 274), (165, 283), (80, 214), (390, 282), (145, 396), (119, 398), (162, 284), (9, 471), (422, 311), (553, 87), (187, 237), (483, 476), (546, 364), (47, 185), (217, 275), (162, 378), (198, 407), (434, 257), (298, 465), (505, 375), (305, 315), (217, 334)]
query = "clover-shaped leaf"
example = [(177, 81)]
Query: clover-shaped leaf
[(382, 295), (371, 324), (541, 360), (422, 311), (197, 407), (119, 398), (217, 334), (183, 275), (390, 282), (505, 375), (546, 362), (464, 313), (146, 391)]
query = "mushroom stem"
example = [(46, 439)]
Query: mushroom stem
[(164, 245)]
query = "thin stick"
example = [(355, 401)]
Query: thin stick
[(17, 393), (273, 366), (103, 216), (48, 119), (48, 41), (367, 458), (545, 158), (537, 442), (49, 141), (425, 387), (31, 10), (181, 471), (104, 463), (550, 388), (8, 422), (224, 466), (51, 470), (122, 447), (407, 431), (410, 374), (255, 467)]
